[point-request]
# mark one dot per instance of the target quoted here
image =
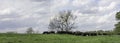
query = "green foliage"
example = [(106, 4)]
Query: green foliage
[(118, 15), (117, 26), (56, 38)]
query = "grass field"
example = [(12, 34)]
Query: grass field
[(56, 38)]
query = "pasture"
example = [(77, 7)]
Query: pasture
[(57, 38)]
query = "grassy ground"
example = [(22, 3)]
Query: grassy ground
[(56, 38)]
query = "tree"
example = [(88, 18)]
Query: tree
[(65, 21), (29, 30), (117, 26), (118, 15), (11, 32)]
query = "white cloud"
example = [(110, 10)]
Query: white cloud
[(6, 11), (111, 6), (92, 14), (80, 2), (7, 19)]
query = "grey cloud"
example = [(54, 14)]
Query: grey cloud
[(17, 24), (39, 0), (36, 13)]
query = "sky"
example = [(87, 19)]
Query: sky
[(18, 15)]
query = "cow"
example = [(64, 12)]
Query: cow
[(65, 32), (49, 32), (52, 32), (46, 32)]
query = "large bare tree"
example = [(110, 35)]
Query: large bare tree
[(64, 21)]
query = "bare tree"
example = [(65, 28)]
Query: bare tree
[(63, 22), (29, 30)]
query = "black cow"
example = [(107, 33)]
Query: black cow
[(85, 34), (93, 34), (49, 32), (65, 32), (52, 32), (88, 34), (78, 33), (46, 32)]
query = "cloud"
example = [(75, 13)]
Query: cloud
[(92, 14), (18, 14)]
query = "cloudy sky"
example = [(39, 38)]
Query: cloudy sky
[(18, 15)]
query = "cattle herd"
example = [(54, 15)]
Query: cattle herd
[(78, 33)]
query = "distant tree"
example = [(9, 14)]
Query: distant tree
[(37, 32), (117, 26), (100, 30), (109, 32), (11, 32), (29, 30), (63, 22)]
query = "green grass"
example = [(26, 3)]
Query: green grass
[(56, 38)]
